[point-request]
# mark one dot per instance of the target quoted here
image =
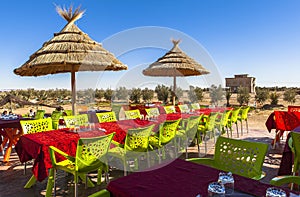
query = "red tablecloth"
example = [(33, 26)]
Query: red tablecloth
[(179, 178), (36, 146), (283, 121)]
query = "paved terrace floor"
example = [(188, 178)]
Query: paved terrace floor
[(12, 178)]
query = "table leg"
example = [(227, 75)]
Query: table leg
[(31, 182)]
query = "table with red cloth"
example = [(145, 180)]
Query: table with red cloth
[(287, 159), (11, 130), (179, 178), (36, 146)]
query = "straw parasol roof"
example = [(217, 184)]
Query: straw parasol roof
[(70, 50), (175, 63)]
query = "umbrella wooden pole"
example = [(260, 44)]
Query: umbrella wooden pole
[(73, 87), (174, 88)]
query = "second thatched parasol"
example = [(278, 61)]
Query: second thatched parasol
[(175, 63), (70, 50)]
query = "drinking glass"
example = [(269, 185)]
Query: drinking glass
[(275, 192), (228, 181), (216, 189)]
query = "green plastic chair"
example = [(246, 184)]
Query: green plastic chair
[(101, 193), (136, 144), (222, 122), (240, 157), (55, 116), (184, 108), (195, 106), (283, 180), (39, 114), (82, 119), (152, 112), (167, 133), (68, 112), (35, 126), (133, 114), (90, 156), (234, 120), (70, 121), (206, 129), (170, 109), (295, 136), (190, 131), (243, 116), (106, 117)]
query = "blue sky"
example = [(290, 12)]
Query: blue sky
[(257, 37)]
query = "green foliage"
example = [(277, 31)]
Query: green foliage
[(243, 95), (274, 98), (108, 94), (162, 93), (216, 94), (261, 95), (147, 94), (121, 93), (178, 93), (290, 96), (228, 95), (135, 95), (195, 94), (99, 93)]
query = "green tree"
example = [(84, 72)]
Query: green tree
[(121, 93), (178, 93), (99, 93), (147, 94), (243, 95), (274, 98), (135, 95), (228, 95), (290, 96), (108, 94), (195, 94), (261, 95), (162, 93), (216, 94)]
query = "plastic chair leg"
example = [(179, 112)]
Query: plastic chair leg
[(50, 183), (30, 183)]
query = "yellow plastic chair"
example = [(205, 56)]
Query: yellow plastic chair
[(170, 109), (106, 117), (195, 106), (136, 145), (152, 112), (184, 108), (55, 116), (70, 121), (90, 156), (39, 114), (240, 157), (234, 120), (82, 119), (243, 116), (68, 112), (35, 126), (133, 114)]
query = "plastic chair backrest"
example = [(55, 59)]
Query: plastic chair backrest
[(234, 115), (69, 112), (70, 121), (184, 108), (152, 112), (167, 131), (296, 148), (39, 114), (137, 139), (55, 116), (211, 120), (35, 126), (244, 112), (192, 126), (82, 119), (240, 157), (106, 117), (225, 118), (132, 114), (195, 106), (170, 109)]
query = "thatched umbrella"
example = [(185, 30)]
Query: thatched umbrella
[(70, 50), (175, 63)]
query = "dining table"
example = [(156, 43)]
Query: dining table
[(35, 147), (180, 178), (10, 130)]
